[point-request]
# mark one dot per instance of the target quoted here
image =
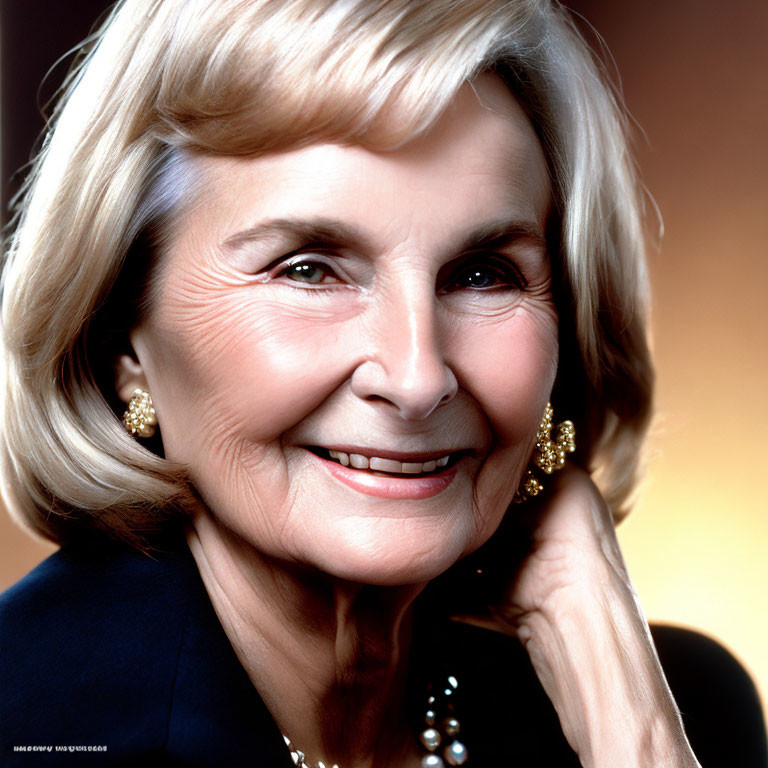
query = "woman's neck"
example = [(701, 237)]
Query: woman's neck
[(329, 658)]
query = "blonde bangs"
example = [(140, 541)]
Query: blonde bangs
[(285, 74)]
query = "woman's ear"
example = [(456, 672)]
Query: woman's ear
[(129, 375)]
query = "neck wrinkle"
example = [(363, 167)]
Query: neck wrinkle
[(328, 657)]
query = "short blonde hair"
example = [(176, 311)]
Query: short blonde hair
[(164, 79)]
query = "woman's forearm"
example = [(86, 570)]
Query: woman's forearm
[(573, 606), (591, 648)]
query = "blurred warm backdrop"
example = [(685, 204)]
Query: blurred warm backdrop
[(695, 77)]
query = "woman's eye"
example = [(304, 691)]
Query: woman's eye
[(479, 276), (309, 272)]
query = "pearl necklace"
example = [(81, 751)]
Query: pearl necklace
[(442, 730)]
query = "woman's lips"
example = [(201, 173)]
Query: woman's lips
[(374, 483)]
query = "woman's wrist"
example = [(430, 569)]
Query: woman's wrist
[(591, 648)]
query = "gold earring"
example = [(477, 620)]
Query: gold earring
[(548, 455), (140, 418)]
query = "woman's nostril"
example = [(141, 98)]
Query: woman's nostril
[(415, 393)]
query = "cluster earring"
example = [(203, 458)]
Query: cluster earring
[(140, 418), (548, 455)]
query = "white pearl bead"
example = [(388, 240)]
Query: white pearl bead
[(455, 753), (451, 726), (432, 761), (430, 738)]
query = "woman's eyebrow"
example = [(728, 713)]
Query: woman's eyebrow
[(504, 231), (335, 232), (302, 231)]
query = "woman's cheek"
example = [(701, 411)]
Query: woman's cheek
[(249, 369), (509, 367)]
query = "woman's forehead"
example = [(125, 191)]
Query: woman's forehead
[(480, 163)]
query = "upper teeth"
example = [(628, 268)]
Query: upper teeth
[(388, 465)]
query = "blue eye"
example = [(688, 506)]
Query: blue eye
[(485, 274), (476, 278), (309, 272)]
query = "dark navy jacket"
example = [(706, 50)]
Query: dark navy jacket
[(103, 646)]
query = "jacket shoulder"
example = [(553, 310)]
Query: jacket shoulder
[(90, 640), (105, 646)]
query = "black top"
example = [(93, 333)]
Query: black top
[(103, 646)]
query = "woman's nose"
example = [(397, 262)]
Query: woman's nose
[(405, 364)]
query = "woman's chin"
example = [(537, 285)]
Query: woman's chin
[(396, 562)]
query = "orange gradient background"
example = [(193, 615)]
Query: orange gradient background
[(695, 77)]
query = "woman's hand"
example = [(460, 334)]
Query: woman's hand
[(573, 607)]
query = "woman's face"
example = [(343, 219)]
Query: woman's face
[(335, 305)]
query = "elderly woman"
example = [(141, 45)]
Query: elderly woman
[(292, 287)]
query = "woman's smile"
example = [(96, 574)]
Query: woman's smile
[(389, 481), (390, 474), (366, 341), (398, 464)]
